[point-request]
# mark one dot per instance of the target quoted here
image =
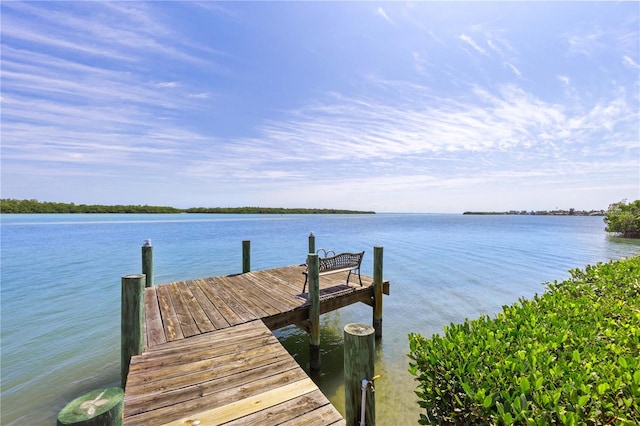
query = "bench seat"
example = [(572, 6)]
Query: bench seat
[(341, 262)]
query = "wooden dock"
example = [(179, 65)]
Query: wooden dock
[(210, 357)]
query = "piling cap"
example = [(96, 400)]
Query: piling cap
[(359, 329)]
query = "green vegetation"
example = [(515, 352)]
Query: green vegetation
[(570, 356), (557, 212), (34, 206), (271, 210), (8, 205), (624, 219)]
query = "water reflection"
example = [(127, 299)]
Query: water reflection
[(394, 394)]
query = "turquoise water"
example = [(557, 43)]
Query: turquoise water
[(60, 286)]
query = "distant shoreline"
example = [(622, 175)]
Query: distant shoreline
[(11, 206), (570, 212)]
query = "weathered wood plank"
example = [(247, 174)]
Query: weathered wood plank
[(214, 315), (275, 291), (203, 385), (191, 355), (170, 322), (251, 404), (290, 276), (187, 323), (251, 300), (235, 304), (323, 416), (211, 287), (198, 315), (227, 336), (238, 395), (168, 374), (272, 292), (225, 293), (153, 319), (312, 402)]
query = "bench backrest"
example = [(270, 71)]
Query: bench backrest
[(340, 261)]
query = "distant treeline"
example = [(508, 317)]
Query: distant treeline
[(271, 210), (570, 212), (8, 205)]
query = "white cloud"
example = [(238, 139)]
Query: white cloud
[(200, 95), (513, 68), (419, 63), (586, 43), (473, 44), (425, 140), (167, 84), (627, 60), (381, 12)]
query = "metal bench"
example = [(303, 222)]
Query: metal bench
[(342, 262)]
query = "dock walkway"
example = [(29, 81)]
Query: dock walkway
[(210, 357)]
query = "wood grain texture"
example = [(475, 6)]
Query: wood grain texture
[(210, 354)]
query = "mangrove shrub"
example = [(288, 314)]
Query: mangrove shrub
[(624, 219), (570, 356)]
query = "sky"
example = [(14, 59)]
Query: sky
[(434, 107)]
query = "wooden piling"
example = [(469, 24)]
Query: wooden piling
[(102, 407), (313, 267), (147, 262), (246, 256), (377, 290), (359, 360), (132, 325), (312, 243)]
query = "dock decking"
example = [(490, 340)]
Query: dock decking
[(210, 357)]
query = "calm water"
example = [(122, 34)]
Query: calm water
[(60, 286)]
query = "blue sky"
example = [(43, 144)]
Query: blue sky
[(385, 106)]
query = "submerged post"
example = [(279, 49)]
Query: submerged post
[(312, 243), (147, 262), (246, 256), (132, 325), (359, 345), (313, 266), (377, 291)]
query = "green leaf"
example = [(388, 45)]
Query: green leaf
[(583, 400), (575, 355), (623, 362), (602, 388), (487, 401), (466, 388), (524, 385), (517, 404), (523, 402), (413, 369), (545, 399)]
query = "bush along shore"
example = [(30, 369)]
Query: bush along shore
[(570, 356)]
